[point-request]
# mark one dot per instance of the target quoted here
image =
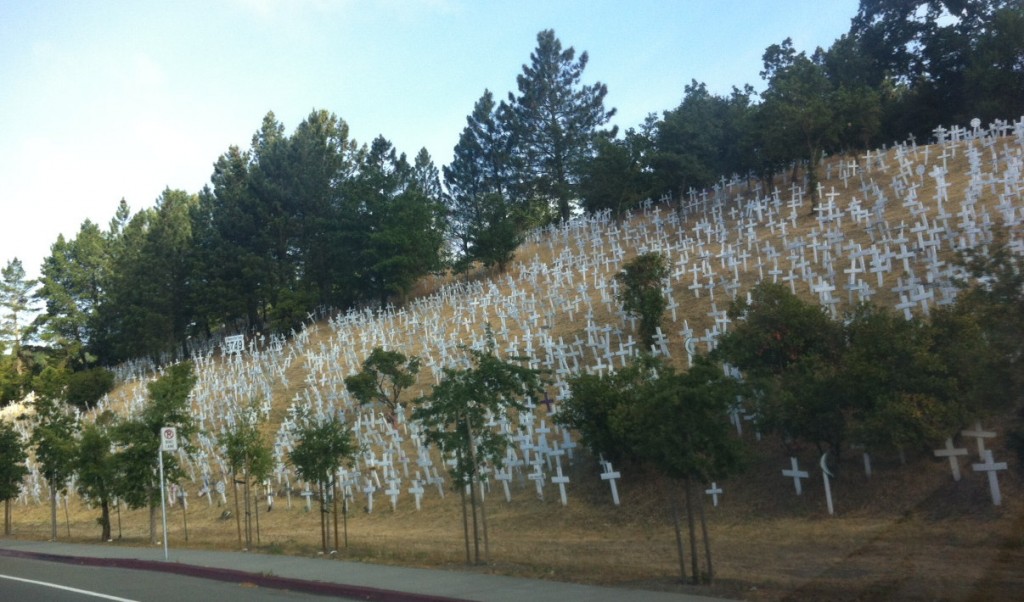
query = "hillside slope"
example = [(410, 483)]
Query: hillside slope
[(888, 225)]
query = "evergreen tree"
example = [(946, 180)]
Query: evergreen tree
[(269, 177), (691, 143), (72, 288), (230, 268), (139, 440), (16, 305), (798, 112), (641, 295), (53, 437), (398, 234), (555, 122), (96, 467), (476, 178), (320, 156), (12, 468), (619, 177)]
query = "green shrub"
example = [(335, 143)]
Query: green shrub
[(86, 387)]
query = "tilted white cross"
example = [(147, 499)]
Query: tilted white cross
[(610, 476), (991, 467), (980, 434), (560, 480), (796, 474), (952, 452)]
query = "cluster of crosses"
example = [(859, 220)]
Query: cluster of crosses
[(717, 242)]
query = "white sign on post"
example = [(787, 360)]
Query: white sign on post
[(168, 443), (169, 439)]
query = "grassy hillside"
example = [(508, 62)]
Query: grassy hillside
[(887, 228)]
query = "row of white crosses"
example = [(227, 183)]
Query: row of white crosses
[(988, 465)]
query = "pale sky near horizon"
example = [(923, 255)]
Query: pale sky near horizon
[(103, 100)]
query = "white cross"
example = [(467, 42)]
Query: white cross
[(560, 480), (392, 492), (797, 474), (538, 479), (504, 475), (368, 490), (980, 435), (417, 490), (993, 481), (610, 476), (714, 492), (952, 452), (825, 474)]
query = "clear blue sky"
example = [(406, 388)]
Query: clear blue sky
[(101, 100)]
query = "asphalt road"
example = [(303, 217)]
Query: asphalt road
[(141, 573), (57, 582)]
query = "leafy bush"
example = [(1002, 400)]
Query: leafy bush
[(86, 387)]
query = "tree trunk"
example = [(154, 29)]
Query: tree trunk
[(476, 524), (323, 516), (690, 523), (7, 516), (812, 178), (673, 501), (104, 520), (465, 523), (238, 512), (704, 535), (248, 510), (472, 492), (334, 498), (67, 515), (152, 520), (184, 518), (344, 516), (256, 512), (53, 513)]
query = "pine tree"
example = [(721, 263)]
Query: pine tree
[(554, 122), (12, 468), (478, 170)]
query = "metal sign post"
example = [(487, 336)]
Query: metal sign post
[(168, 442)]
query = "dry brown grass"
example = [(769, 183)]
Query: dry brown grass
[(908, 532), (905, 533)]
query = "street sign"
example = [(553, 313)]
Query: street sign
[(169, 439)]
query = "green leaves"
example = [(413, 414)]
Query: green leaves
[(456, 411), (244, 447), (554, 123), (12, 461), (385, 375), (53, 437), (139, 439), (650, 414), (641, 294), (875, 378), (321, 449)]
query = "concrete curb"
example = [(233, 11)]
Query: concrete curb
[(231, 575)]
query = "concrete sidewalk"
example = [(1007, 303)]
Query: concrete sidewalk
[(332, 577)]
